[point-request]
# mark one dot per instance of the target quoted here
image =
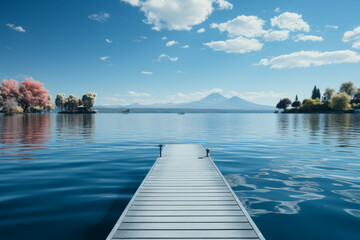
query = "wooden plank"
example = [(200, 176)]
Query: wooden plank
[(184, 213), (184, 203), (186, 226), (187, 208), (193, 219), (208, 234), (184, 196)]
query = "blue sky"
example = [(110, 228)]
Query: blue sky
[(152, 51)]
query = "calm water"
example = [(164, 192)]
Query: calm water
[(70, 176)]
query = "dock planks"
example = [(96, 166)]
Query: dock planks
[(184, 196)]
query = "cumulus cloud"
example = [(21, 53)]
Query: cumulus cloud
[(133, 3), (135, 94), (353, 37), (224, 5), (104, 58), (173, 59), (177, 14), (273, 35), (171, 43), (304, 38), (311, 58), (245, 26), (236, 45), (201, 30), (164, 38), (147, 73), (250, 96), (262, 94), (185, 46), (194, 96), (108, 40), (331, 27), (16, 28), (290, 21), (100, 17)]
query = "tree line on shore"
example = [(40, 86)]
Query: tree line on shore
[(30, 96), (73, 104), (346, 99)]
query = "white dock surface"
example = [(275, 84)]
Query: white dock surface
[(184, 196)]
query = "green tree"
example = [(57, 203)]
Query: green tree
[(314, 93), (318, 94), (283, 103), (88, 100), (296, 103), (357, 94), (340, 101), (348, 87), (72, 103), (60, 100), (328, 93)]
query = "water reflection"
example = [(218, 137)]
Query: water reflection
[(72, 126), (31, 131)]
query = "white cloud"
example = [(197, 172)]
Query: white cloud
[(18, 28), (185, 46), (236, 45), (353, 37), (140, 39), (245, 26), (311, 58), (356, 45), (304, 38), (224, 5), (273, 35), (108, 40), (189, 97), (104, 58), (173, 59), (179, 71), (201, 30), (290, 21), (164, 38), (147, 73), (171, 43), (331, 27), (250, 96), (177, 14), (100, 17), (277, 10), (135, 94), (114, 99), (133, 3)]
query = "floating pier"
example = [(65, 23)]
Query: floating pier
[(184, 196)]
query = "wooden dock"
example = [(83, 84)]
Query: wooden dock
[(184, 196)]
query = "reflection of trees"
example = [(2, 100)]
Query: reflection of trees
[(283, 123), (72, 125), (326, 128), (32, 131)]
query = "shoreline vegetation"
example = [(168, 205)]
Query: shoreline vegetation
[(30, 96), (346, 100)]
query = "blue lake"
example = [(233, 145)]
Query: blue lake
[(71, 176)]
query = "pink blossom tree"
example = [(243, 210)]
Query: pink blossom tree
[(32, 93), (9, 89)]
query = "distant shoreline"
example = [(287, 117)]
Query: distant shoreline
[(179, 110)]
